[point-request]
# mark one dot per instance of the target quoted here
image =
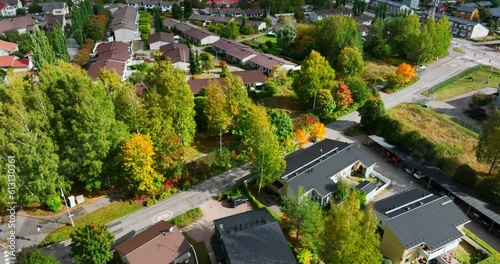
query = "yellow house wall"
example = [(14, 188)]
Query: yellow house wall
[(391, 247)]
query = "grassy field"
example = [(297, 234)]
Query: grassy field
[(472, 82), (464, 250), (375, 71), (458, 50), (438, 128), (101, 216), (204, 144), (275, 50)]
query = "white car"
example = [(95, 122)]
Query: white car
[(423, 67), (417, 174)]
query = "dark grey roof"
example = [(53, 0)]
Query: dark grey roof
[(318, 174), (460, 21), (257, 11), (49, 6), (230, 11), (495, 12), (254, 237), (484, 3), (397, 204), (434, 224), (366, 186), (467, 9)]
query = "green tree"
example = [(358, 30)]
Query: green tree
[(315, 73), (325, 104), (377, 40), (25, 132), (58, 41), (281, 123), (335, 33), (188, 8), (36, 256), (358, 7), (350, 235), (83, 123), (359, 90), (381, 11), (92, 244), (80, 14), (207, 61), (137, 159), (255, 132), (215, 108), (20, 12), (372, 113), (303, 216), (42, 50), (488, 148), (285, 36), (246, 30), (194, 62), (465, 175), (231, 30), (177, 11), (443, 36), (237, 97), (35, 8), (350, 62), (404, 32)]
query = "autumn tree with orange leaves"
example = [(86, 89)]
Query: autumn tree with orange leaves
[(342, 96), (318, 132), (137, 158), (301, 136), (406, 71)]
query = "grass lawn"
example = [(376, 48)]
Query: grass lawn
[(468, 84), (458, 50), (438, 128), (201, 251), (101, 216), (375, 71), (464, 250), (204, 144), (275, 50), (288, 103)]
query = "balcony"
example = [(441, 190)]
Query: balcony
[(429, 254)]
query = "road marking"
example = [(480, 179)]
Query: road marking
[(162, 216)]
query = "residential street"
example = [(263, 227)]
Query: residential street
[(184, 201)]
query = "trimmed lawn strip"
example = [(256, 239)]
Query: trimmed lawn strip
[(476, 239), (472, 82), (438, 128), (101, 216), (463, 252)]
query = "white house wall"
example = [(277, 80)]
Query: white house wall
[(157, 45), (479, 31), (124, 35)]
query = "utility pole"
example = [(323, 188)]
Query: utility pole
[(220, 140), (67, 208)]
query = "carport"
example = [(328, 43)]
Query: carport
[(402, 154)]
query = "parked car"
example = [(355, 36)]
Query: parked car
[(417, 174), (233, 202)]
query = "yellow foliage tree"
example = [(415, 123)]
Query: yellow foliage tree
[(137, 157), (301, 136), (318, 132), (406, 71)]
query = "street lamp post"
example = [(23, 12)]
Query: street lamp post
[(67, 208)]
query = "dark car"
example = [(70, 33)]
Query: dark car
[(233, 202)]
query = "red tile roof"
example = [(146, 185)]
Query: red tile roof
[(8, 46), (3, 5), (13, 62)]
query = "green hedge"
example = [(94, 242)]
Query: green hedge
[(187, 218), (476, 239), (256, 203)]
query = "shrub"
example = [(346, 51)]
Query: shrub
[(448, 165), (386, 261), (36, 256), (187, 218), (465, 175), (305, 122), (478, 255), (150, 202), (479, 99), (394, 83), (301, 137), (318, 132), (54, 203)]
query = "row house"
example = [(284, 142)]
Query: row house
[(14, 3), (156, 40), (7, 10), (321, 14), (255, 12), (225, 12), (196, 35), (461, 27), (22, 24), (467, 12), (110, 56), (55, 8), (252, 80), (178, 54), (394, 7), (124, 25), (15, 64), (7, 48), (164, 6)]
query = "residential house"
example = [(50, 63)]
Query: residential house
[(363, 20), (183, 27), (220, 20), (226, 12), (252, 80), (321, 14), (51, 20), (7, 48), (15, 63), (15, 3), (364, 29), (266, 63), (178, 54), (394, 7), (221, 3), (135, 3), (55, 8), (411, 3), (200, 36), (224, 45), (368, 188), (159, 244), (256, 12), (461, 27), (419, 226), (124, 25), (156, 40), (240, 56), (170, 23), (440, 8), (251, 237), (467, 12), (256, 24), (114, 7), (495, 14), (7, 10), (320, 167), (203, 19), (22, 24), (484, 4), (164, 6), (110, 56)]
